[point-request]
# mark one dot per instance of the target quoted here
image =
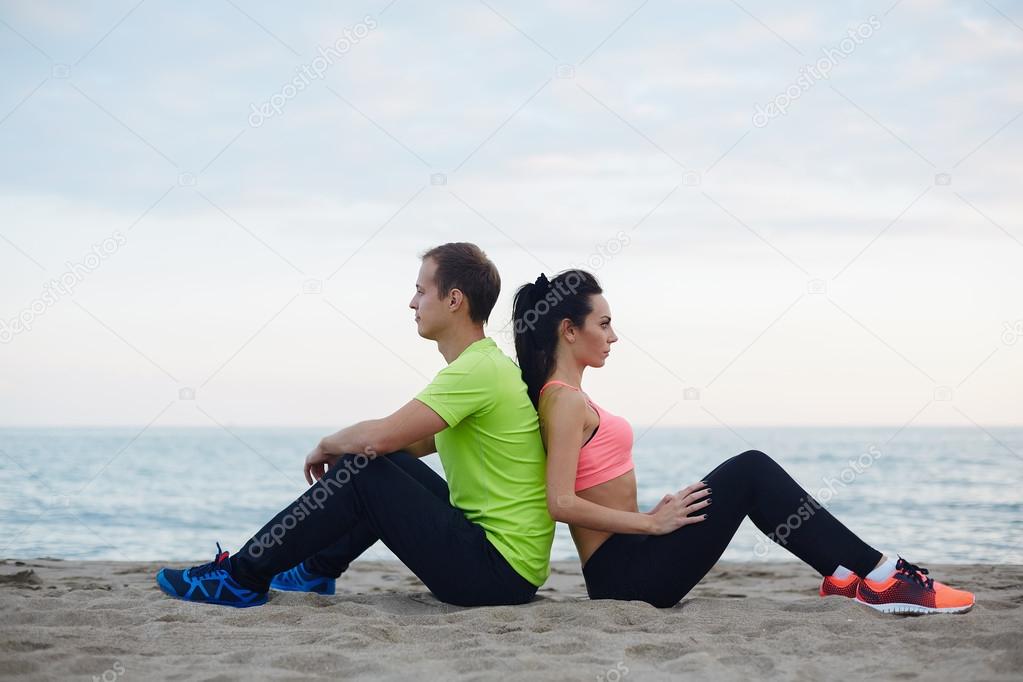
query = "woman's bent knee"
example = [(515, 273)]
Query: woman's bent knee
[(753, 458), (750, 464)]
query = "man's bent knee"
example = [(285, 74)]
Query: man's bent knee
[(350, 467)]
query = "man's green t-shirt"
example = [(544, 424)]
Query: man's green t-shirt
[(492, 455)]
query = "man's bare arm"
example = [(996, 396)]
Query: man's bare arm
[(410, 426), (421, 448)]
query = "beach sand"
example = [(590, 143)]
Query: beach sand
[(109, 621)]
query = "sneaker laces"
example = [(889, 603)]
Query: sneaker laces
[(212, 566), (913, 573)]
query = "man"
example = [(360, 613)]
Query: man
[(482, 538)]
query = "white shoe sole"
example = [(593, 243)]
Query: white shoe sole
[(913, 609)]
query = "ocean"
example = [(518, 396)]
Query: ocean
[(949, 495)]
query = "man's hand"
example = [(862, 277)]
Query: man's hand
[(318, 462)]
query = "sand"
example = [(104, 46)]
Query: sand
[(109, 621)]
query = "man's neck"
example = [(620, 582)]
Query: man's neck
[(457, 340)]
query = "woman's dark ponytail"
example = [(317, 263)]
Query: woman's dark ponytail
[(537, 313)]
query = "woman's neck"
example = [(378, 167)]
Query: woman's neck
[(570, 373)]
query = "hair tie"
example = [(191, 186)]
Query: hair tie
[(539, 290)]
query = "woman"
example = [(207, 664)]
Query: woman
[(561, 328)]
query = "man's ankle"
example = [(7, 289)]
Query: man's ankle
[(240, 578), (313, 568)]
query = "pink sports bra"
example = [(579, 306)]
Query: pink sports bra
[(608, 452)]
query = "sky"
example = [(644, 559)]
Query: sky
[(801, 213)]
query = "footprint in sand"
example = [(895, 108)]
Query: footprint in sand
[(23, 579), (16, 647), (656, 652)]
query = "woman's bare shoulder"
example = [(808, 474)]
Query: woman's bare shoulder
[(560, 402)]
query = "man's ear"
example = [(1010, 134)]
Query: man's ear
[(455, 299)]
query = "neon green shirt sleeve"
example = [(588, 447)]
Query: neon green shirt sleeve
[(463, 388)]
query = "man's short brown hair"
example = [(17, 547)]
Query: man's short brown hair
[(464, 266)]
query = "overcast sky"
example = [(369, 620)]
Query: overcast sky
[(235, 196)]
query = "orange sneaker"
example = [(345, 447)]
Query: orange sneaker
[(908, 591), (841, 587)]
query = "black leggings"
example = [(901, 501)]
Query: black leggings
[(400, 501), (335, 559), (661, 569)]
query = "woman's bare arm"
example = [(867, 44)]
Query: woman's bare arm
[(563, 417)]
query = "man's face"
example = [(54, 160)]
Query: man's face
[(431, 310)]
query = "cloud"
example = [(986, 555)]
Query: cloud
[(541, 177)]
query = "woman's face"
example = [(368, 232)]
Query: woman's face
[(591, 343)]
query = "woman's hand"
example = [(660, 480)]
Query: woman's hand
[(673, 511), (318, 462), (664, 500)]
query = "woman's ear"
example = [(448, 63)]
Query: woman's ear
[(567, 330)]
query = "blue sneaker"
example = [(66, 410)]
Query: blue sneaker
[(299, 579), (209, 584)]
